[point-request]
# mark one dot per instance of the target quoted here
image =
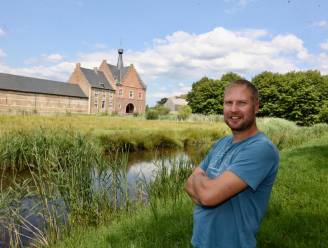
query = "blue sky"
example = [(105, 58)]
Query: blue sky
[(172, 43)]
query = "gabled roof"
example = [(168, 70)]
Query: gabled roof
[(40, 86), (96, 79), (116, 74)]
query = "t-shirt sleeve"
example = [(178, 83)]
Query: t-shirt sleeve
[(254, 163)]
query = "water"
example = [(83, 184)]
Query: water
[(141, 170)]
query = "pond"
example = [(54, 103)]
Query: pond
[(141, 170)]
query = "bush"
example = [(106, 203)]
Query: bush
[(152, 115), (323, 114), (184, 112), (162, 110)]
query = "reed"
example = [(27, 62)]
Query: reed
[(59, 165)]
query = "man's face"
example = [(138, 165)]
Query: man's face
[(239, 108)]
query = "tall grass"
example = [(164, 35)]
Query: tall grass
[(165, 221), (286, 134), (63, 163), (59, 166), (297, 215)]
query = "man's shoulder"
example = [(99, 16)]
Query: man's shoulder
[(262, 145)]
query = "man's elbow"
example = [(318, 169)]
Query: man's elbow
[(207, 200)]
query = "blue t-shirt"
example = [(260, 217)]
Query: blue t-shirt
[(234, 223)]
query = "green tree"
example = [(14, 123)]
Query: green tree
[(206, 96), (295, 96), (162, 101), (229, 77)]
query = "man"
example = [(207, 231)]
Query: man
[(232, 185)]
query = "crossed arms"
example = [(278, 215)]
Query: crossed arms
[(210, 192)]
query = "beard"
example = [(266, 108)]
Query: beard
[(242, 126)]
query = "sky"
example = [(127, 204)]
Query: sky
[(171, 43)]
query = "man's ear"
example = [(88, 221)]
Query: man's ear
[(257, 107)]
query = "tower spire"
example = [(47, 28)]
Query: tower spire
[(120, 64)]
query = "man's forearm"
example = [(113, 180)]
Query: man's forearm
[(190, 190), (192, 183)]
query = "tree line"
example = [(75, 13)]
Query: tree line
[(297, 96)]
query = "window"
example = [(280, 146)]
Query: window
[(96, 93), (120, 92), (110, 104), (140, 95), (119, 106), (131, 94), (96, 103), (103, 104), (111, 95)]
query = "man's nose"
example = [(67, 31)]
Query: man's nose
[(234, 107)]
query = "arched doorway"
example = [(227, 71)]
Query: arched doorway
[(129, 108)]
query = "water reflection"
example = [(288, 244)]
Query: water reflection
[(120, 185), (131, 183)]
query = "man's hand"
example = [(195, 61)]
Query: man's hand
[(189, 185), (210, 192)]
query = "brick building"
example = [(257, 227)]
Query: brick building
[(106, 89)]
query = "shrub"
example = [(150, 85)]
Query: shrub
[(162, 110), (184, 112), (323, 114), (152, 115)]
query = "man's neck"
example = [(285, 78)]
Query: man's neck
[(242, 135)]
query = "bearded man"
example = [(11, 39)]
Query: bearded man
[(232, 185)]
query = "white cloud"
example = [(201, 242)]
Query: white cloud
[(2, 32), (324, 45), (182, 55), (242, 3), (100, 46), (45, 58), (177, 60), (320, 24), (53, 57), (322, 63), (236, 5), (60, 71)]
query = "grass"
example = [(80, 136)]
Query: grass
[(297, 214), (114, 133), (60, 155)]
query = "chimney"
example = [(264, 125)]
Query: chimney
[(95, 69), (78, 65)]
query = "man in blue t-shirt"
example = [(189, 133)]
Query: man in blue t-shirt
[(232, 185)]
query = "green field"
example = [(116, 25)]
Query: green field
[(58, 152)]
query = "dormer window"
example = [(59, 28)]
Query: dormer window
[(102, 85), (120, 92)]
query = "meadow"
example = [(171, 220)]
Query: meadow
[(58, 151)]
